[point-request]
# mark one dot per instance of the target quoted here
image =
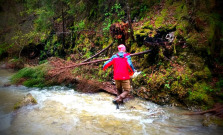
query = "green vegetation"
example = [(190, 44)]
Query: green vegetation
[(31, 76), (76, 30)]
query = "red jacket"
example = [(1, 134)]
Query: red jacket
[(122, 65)]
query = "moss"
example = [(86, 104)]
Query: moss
[(169, 2), (134, 47), (200, 95), (156, 81), (181, 16), (161, 51), (215, 25), (142, 32), (177, 88), (182, 81), (182, 28), (211, 26), (194, 62), (161, 19), (17, 105), (219, 84), (203, 74), (27, 100), (147, 25), (192, 39), (178, 6)]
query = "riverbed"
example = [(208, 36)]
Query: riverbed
[(64, 111)]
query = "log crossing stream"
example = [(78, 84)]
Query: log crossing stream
[(63, 111)]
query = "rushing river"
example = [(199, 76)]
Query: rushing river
[(63, 111)]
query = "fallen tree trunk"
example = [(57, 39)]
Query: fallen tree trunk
[(95, 61), (99, 52), (61, 73), (217, 110)]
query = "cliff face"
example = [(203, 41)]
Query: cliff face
[(185, 38)]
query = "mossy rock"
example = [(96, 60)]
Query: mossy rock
[(142, 32), (200, 95), (27, 100)]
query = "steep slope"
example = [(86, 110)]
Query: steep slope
[(185, 38)]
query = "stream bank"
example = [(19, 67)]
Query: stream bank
[(184, 67), (62, 110)]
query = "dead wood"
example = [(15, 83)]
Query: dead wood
[(91, 86), (61, 66), (99, 52), (119, 31), (61, 73), (65, 76)]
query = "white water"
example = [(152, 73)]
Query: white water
[(62, 110)]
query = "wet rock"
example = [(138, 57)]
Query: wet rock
[(164, 98), (211, 120), (174, 102), (27, 100)]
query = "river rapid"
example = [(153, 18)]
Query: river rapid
[(63, 111)]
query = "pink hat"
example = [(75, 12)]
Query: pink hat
[(121, 48)]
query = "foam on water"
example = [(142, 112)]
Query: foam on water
[(61, 110), (95, 104)]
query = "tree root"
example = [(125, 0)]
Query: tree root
[(217, 110)]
